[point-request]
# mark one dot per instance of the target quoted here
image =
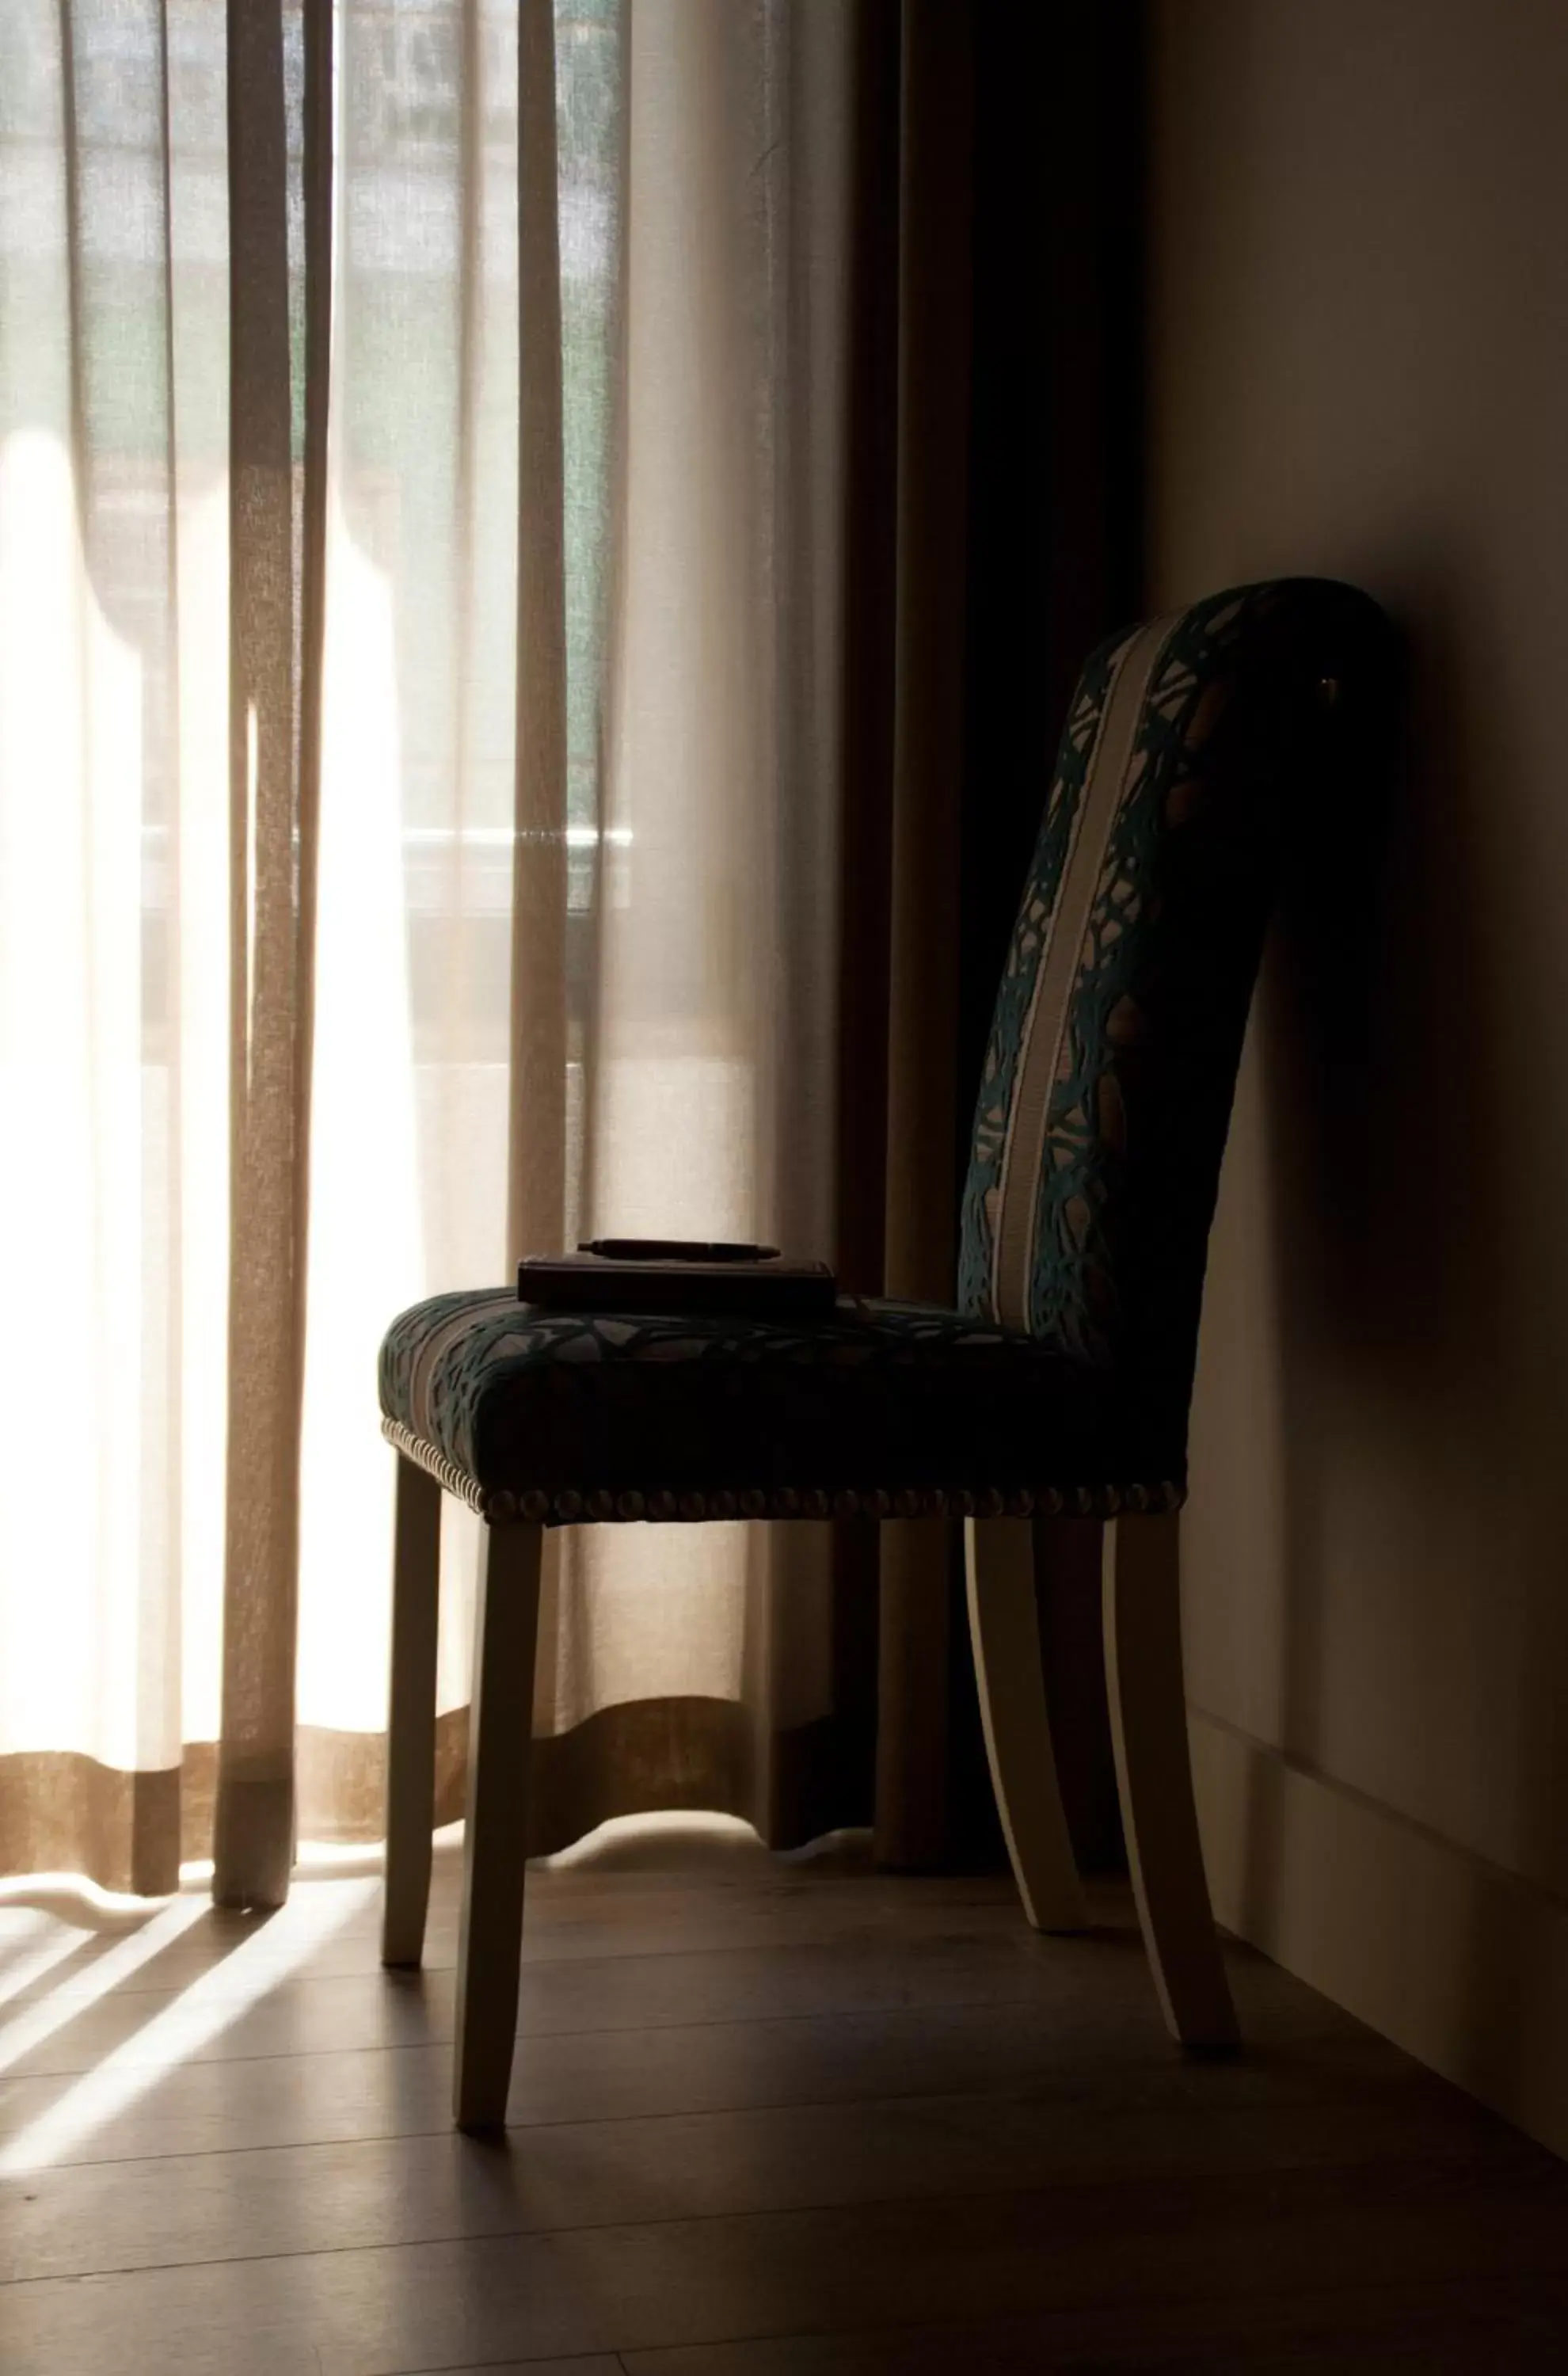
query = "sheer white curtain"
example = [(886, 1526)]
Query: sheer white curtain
[(114, 923), (573, 948)]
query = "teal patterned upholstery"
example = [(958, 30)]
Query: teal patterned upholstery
[(1194, 746), (586, 1412)]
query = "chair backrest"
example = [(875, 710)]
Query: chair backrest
[(1196, 748)]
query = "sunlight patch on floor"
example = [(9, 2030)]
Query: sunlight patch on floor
[(275, 1950), (36, 2022), (29, 1967)]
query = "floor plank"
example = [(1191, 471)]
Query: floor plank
[(79, 2220), (189, 2105), (309, 2011), (664, 2282), (599, 2365), (569, 1918), (1432, 2328), (770, 2122), (350, 1941), (310, 2015)]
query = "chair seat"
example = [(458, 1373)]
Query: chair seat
[(880, 1407)]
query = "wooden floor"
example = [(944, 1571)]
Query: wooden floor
[(772, 2118)]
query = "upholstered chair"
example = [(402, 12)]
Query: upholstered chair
[(1199, 750)]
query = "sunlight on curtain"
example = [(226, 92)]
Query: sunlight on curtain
[(409, 1132), (711, 1090), (70, 763), (113, 901), (700, 220), (697, 949)]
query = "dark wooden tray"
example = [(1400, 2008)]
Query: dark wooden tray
[(673, 1275)]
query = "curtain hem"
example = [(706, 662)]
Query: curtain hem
[(129, 1831)]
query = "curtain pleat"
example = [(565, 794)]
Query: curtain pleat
[(924, 1098), (990, 540), (276, 609), (537, 1141)]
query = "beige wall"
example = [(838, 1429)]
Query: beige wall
[(1360, 367)]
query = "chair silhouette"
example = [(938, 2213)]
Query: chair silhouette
[(1196, 748)]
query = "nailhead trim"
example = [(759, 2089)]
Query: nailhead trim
[(536, 1506)]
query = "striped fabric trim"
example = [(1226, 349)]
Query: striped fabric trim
[(1023, 1160), (467, 1314)]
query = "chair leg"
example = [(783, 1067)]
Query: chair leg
[(495, 1847), (1154, 1777), (1004, 1630), (410, 1729)]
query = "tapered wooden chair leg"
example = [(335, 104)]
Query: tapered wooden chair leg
[(1004, 1630), (494, 1850), (1153, 1776), (410, 1729)]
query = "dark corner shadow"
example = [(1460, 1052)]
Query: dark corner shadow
[(1330, 1038), (1388, 1017)]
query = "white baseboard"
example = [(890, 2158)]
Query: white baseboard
[(1454, 1959)]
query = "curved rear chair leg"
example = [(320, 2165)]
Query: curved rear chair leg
[(495, 1845), (410, 1726), (1005, 1629), (1153, 1776)]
